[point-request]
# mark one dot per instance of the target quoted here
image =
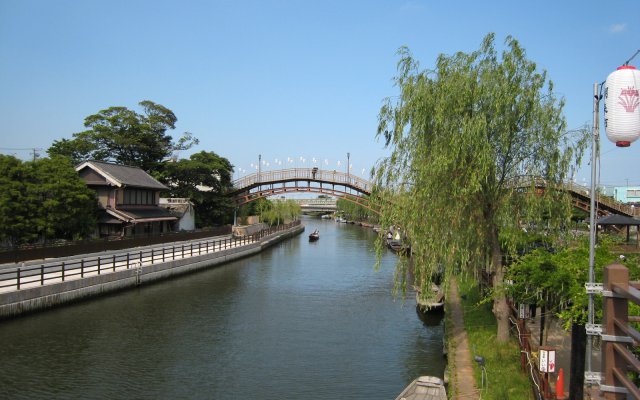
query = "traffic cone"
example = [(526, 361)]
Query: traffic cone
[(560, 385)]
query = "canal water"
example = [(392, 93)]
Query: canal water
[(299, 321)]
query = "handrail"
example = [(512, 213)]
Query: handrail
[(61, 271)]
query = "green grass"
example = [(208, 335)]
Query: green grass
[(506, 381)]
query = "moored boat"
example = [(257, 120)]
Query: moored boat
[(424, 388), (434, 301)]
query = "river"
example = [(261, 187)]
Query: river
[(298, 321)]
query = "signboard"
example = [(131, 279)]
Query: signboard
[(547, 360), (544, 354), (522, 311)]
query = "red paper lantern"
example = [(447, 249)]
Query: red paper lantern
[(622, 106)]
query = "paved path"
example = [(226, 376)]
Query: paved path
[(463, 383)]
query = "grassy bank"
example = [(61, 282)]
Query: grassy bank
[(503, 379)]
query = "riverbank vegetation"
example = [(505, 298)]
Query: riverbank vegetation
[(272, 213)]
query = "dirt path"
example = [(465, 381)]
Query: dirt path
[(463, 383)]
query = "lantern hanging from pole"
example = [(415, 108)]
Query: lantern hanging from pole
[(622, 106)]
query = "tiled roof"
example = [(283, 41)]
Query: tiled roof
[(123, 175)]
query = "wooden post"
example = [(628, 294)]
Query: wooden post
[(614, 308)]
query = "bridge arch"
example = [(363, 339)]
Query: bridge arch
[(303, 180)]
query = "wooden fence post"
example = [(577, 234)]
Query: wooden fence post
[(614, 308)]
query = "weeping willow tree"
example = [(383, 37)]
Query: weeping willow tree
[(279, 211), (478, 146)]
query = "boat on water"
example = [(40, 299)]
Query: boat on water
[(341, 220), (396, 244), (313, 236), (434, 301), (424, 388), (325, 216)]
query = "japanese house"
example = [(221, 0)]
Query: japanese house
[(128, 198)]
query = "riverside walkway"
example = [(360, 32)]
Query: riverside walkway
[(462, 383), (42, 284)]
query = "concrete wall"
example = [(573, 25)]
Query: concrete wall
[(28, 300)]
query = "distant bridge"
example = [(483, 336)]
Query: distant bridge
[(302, 180), (317, 204)]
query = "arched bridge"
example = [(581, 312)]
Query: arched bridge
[(306, 180)]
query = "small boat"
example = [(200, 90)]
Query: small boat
[(432, 302), (325, 216), (341, 220), (424, 388), (313, 236)]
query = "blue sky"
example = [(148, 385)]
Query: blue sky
[(290, 80)]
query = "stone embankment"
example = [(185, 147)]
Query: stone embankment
[(43, 287)]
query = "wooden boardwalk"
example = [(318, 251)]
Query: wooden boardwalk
[(462, 383)]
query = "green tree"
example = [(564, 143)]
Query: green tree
[(126, 137), (66, 205), (205, 178), (15, 209), (464, 138), (277, 212), (43, 200)]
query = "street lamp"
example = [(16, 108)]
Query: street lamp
[(348, 164)]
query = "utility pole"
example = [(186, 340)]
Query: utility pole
[(259, 167), (595, 142)]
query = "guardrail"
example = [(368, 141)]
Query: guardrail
[(66, 249), (54, 272)]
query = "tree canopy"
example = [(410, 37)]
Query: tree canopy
[(467, 139), (126, 137), (43, 200), (204, 178)]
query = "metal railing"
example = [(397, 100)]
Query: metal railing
[(25, 277), (617, 335)]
